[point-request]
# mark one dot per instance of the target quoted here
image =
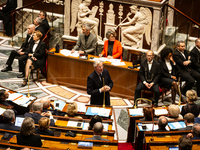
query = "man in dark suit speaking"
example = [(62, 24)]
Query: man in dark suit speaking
[(95, 84)]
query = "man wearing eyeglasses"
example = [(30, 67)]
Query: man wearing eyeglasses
[(149, 74)]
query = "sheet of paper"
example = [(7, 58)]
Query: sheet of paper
[(161, 111), (136, 112), (118, 64), (81, 107), (104, 112), (105, 126), (21, 100), (85, 126), (94, 110), (177, 125), (14, 96), (65, 52), (2, 110), (59, 105), (75, 54), (74, 124)]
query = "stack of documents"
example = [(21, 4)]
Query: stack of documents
[(68, 53), (136, 112), (176, 125), (98, 111)]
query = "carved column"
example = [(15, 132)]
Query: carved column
[(67, 15), (170, 13), (155, 29)]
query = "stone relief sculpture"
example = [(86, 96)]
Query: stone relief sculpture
[(84, 15), (132, 31)]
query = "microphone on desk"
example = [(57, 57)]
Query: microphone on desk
[(152, 114), (28, 81)]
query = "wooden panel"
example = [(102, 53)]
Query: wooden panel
[(73, 72)]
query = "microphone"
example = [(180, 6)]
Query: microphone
[(28, 95)]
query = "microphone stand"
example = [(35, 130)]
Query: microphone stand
[(179, 103), (28, 95), (152, 139), (103, 93)]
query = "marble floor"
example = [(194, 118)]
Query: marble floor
[(52, 91)]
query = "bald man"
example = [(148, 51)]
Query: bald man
[(162, 123), (149, 74), (21, 54), (47, 106), (98, 128)]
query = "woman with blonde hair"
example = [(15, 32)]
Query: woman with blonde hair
[(174, 112), (43, 128), (26, 135), (72, 110), (191, 107)]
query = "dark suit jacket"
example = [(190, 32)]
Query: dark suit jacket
[(10, 6), (26, 44), (36, 117), (195, 58), (44, 132), (9, 126), (89, 47), (165, 72), (54, 112), (97, 137), (30, 140), (41, 28), (39, 53), (186, 128), (150, 76), (179, 59), (45, 25), (94, 84)]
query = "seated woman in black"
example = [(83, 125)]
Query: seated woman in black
[(191, 107), (27, 136), (36, 56), (169, 73), (44, 127)]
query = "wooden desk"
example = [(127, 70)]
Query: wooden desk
[(72, 71)]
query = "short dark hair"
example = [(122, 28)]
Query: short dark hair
[(44, 13), (93, 120), (2, 93), (189, 117), (162, 122), (184, 143), (164, 53)]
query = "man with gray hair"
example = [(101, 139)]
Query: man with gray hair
[(21, 54), (37, 113), (98, 128), (87, 42), (47, 106), (98, 82), (195, 135), (39, 26), (9, 121)]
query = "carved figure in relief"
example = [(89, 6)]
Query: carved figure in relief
[(137, 26), (84, 15)]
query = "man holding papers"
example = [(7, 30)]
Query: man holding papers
[(87, 42), (95, 82)]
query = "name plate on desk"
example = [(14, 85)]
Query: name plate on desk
[(91, 111)]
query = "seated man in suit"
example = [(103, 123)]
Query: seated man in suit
[(182, 59), (189, 121), (9, 118), (87, 42), (45, 23), (162, 123), (37, 113), (195, 135), (98, 128), (195, 56), (184, 143), (47, 106), (95, 84), (149, 74), (22, 53), (39, 26)]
